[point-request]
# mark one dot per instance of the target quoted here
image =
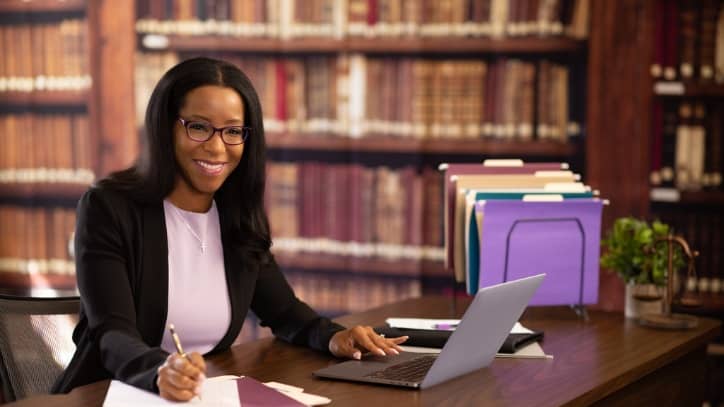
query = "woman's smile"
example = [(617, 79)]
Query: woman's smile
[(211, 168)]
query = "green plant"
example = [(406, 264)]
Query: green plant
[(632, 254)]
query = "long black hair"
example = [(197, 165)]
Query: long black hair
[(152, 178)]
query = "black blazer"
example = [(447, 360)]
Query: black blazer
[(122, 270)]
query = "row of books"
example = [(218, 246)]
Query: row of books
[(702, 230), (45, 148), (334, 294), (355, 95), (339, 293), (688, 40), (687, 145), (348, 209), (44, 56), (368, 18), (37, 241)]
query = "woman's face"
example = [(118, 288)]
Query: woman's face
[(204, 166)]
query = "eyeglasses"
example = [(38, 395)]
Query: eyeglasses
[(201, 131)]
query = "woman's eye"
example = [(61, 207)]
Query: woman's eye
[(197, 126)]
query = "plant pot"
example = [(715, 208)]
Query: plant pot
[(643, 299)]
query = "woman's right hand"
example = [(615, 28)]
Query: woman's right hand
[(181, 378)]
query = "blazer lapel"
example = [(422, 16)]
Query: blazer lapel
[(153, 296)]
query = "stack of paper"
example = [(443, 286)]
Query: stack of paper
[(221, 391), (532, 350)]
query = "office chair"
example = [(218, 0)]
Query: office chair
[(35, 343)]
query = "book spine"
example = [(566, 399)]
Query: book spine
[(688, 17), (709, 13), (657, 136), (715, 137), (683, 147), (668, 144)]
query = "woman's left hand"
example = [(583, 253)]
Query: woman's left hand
[(352, 342)]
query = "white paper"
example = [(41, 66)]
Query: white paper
[(298, 394), (518, 328), (284, 388), (532, 350), (217, 393), (433, 324), (419, 323)]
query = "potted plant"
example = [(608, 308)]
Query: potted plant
[(632, 252)]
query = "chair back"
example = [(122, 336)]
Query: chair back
[(35, 343)]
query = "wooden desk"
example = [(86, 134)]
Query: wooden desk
[(605, 361)]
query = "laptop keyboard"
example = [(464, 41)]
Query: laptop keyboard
[(413, 370)]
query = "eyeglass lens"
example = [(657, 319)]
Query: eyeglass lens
[(200, 131)]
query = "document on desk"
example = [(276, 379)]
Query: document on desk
[(531, 350), (434, 324), (221, 391)]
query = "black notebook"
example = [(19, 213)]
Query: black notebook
[(436, 339)]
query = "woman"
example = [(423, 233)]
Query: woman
[(181, 237)]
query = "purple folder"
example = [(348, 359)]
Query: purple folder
[(255, 394), (561, 239)]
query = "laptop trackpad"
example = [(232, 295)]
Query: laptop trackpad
[(369, 363)]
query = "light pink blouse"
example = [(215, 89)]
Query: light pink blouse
[(198, 298)]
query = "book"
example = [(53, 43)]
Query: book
[(688, 18)]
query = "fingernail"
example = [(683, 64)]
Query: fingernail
[(357, 355), (197, 390), (202, 377), (394, 351), (380, 352)]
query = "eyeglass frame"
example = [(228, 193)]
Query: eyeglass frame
[(245, 130)]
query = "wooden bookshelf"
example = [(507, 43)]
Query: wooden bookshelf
[(45, 98), (23, 282), (671, 195), (452, 45), (712, 305), (693, 89), (42, 292), (45, 191), (448, 45), (376, 266), (42, 6), (410, 145)]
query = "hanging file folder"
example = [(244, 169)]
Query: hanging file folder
[(472, 229), (561, 239)]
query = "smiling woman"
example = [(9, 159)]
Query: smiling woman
[(182, 237), (205, 161)]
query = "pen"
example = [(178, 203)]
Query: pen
[(179, 348), (176, 341), (448, 327)]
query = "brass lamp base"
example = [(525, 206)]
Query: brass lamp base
[(671, 321)]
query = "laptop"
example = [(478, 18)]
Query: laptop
[(473, 345)]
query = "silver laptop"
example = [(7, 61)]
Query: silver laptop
[(472, 346)]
